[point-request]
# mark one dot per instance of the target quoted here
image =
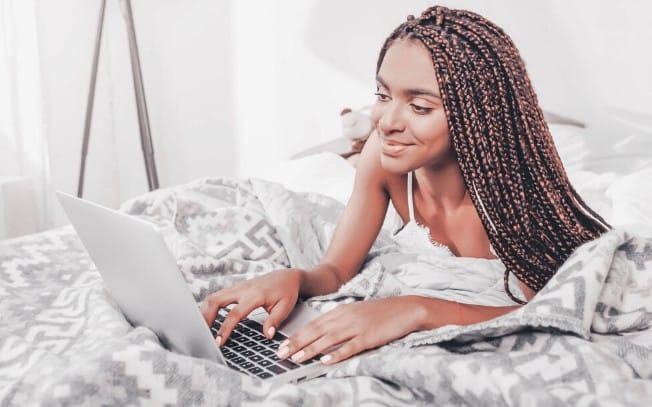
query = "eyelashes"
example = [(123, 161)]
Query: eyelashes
[(420, 109), (381, 97)]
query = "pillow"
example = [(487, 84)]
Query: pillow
[(618, 149), (608, 176), (631, 197), (325, 172), (572, 146)]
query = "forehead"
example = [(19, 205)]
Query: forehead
[(408, 64)]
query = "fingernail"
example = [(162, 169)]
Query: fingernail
[(282, 351), (325, 358), (284, 343), (271, 331), (218, 340), (297, 356)]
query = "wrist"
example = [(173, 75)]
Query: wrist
[(434, 313), (321, 279), (302, 283), (428, 313)]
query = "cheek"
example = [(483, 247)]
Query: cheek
[(434, 139), (434, 129), (441, 123)]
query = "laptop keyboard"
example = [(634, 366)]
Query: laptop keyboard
[(249, 351)]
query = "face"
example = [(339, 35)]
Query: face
[(409, 112)]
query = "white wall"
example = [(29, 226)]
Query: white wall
[(587, 59), (186, 56), (235, 86), (289, 95)]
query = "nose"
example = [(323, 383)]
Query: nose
[(390, 118)]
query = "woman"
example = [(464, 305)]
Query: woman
[(462, 151)]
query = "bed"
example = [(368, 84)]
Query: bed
[(586, 338)]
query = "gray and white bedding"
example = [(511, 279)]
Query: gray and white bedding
[(585, 339)]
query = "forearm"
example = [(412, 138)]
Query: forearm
[(434, 313), (322, 279)]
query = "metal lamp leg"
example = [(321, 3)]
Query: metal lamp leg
[(141, 104), (91, 99)]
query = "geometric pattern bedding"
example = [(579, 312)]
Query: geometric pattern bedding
[(585, 339)]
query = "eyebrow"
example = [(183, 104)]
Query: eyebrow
[(412, 92)]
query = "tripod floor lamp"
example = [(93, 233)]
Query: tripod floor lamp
[(141, 105)]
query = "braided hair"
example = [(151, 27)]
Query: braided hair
[(533, 216)]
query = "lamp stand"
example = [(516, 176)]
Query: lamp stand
[(141, 104)]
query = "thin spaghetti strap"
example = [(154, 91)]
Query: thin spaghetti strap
[(409, 196)]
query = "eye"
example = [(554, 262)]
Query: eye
[(420, 109), (381, 97)]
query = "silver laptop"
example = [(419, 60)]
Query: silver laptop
[(142, 277)]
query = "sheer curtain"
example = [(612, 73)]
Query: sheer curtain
[(23, 147), (46, 50)]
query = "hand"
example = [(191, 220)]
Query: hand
[(356, 327), (277, 292)]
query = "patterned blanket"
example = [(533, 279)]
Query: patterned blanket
[(586, 338)]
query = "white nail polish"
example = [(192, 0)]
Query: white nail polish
[(271, 331), (282, 351), (285, 343), (325, 358), (218, 340), (297, 356)]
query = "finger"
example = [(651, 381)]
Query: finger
[(277, 315), (322, 344), (212, 304), (308, 334), (234, 316), (348, 349)]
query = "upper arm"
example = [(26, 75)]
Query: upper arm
[(363, 216)]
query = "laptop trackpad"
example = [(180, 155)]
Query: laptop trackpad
[(300, 316)]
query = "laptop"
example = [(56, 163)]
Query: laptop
[(142, 277)]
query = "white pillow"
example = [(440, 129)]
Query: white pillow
[(619, 149), (326, 173), (612, 173), (572, 146), (631, 197)]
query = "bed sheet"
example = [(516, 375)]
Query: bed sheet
[(584, 340)]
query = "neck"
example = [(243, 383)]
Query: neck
[(442, 186)]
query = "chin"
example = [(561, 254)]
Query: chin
[(395, 165)]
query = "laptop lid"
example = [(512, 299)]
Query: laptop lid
[(142, 276)]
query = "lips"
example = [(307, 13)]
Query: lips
[(393, 148)]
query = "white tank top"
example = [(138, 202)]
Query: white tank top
[(479, 280), (415, 234)]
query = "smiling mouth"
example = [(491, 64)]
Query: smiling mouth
[(393, 148)]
